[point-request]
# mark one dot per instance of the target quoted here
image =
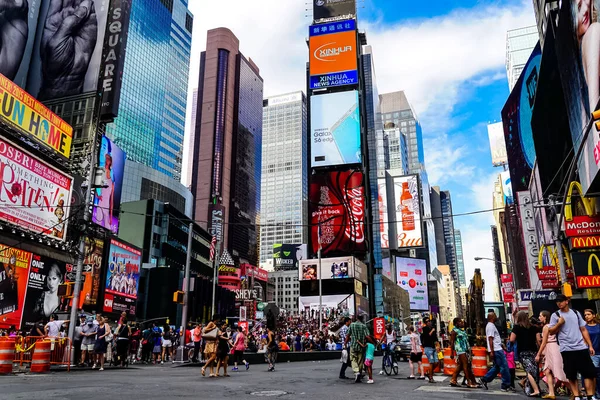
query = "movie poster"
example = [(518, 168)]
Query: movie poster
[(13, 284), (92, 266), (42, 300)]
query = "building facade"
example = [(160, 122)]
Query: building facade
[(448, 229), (286, 290), (519, 45), (284, 180), (460, 261), (227, 146)]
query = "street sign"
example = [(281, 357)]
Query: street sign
[(261, 306)]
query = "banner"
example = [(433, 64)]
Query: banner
[(333, 60), (42, 300), (587, 269), (14, 275), (287, 256), (383, 213), (337, 205), (92, 267), (497, 144), (331, 268), (33, 119), (123, 274), (378, 328), (582, 226), (107, 199), (34, 195), (411, 275), (407, 203), (335, 129), (508, 288)]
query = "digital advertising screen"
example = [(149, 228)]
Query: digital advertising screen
[(123, 274), (107, 199), (331, 268), (337, 206), (409, 232), (333, 59), (411, 275), (383, 213), (335, 129), (328, 9), (287, 256)]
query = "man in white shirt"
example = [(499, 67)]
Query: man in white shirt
[(53, 327), (496, 352)]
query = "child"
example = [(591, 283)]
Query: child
[(369, 356), (510, 360), (416, 354), (440, 353)]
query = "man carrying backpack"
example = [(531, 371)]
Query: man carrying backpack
[(575, 346)]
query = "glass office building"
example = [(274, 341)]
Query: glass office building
[(460, 262), (448, 229), (284, 180), (519, 45), (151, 123)]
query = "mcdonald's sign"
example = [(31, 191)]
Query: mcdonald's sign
[(588, 203), (582, 226), (585, 242), (587, 269)]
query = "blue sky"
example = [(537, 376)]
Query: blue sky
[(448, 56)]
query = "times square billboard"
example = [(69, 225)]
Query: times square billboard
[(327, 10), (337, 205)]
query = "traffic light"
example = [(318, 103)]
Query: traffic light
[(65, 290), (178, 297), (567, 290)]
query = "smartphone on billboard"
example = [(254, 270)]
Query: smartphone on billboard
[(346, 134)]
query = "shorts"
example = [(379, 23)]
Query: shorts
[(87, 347), (156, 349), (578, 361), (416, 357), (368, 362), (167, 344), (431, 355), (596, 360)]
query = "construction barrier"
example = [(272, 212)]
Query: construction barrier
[(7, 346), (479, 364), (449, 363), (426, 365), (60, 350), (40, 361)]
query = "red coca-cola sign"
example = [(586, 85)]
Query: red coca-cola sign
[(337, 203)]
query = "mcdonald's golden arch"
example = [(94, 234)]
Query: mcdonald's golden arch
[(587, 269), (585, 242)]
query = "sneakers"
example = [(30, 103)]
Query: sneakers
[(101, 369), (235, 369), (483, 384), (370, 381), (162, 362), (94, 366), (247, 365), (356, 378), (395, 364)]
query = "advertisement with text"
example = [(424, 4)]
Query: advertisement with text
[(587, 269), (411, 275), (333, 60), (14, 274), (92, 267), (408, 212), (35, 195), (107, 199), (123, 274), (331, 268), (335, 129), (331, 9), (337, 205), (383, 213), (287, 256)]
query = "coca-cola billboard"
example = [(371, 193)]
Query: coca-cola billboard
[(337, 204)]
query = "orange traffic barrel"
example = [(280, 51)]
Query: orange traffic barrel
[(425, 362), (7, 353), (40, 361), (449, 363), (479, 364)]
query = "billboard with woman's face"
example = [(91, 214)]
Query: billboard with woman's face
[(107, 198)]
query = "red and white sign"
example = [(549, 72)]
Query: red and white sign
[(582, 226), (250, 270), (244, 326), (378, 328), (508, 288), (548, 277), (108, 303), (33, 195)]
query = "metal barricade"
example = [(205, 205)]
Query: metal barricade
[(60, 350)]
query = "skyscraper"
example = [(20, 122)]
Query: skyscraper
[(448, 228), (284, 180), (519, 45), (396, 109), (460, 261), (189, 148), (227, 152)]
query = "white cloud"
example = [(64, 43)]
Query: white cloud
[(477, 242)]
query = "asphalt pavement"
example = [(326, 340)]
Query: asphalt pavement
[(298, 380)]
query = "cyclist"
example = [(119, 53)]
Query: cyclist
[(390, 341)]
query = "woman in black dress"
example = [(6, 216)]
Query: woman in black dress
[(101, 345), (223, 348), (525, 335)]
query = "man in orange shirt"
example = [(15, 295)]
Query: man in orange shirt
[(283, 346)]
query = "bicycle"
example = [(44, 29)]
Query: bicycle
[(389, 363)]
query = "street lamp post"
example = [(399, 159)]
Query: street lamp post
[(510, 268)]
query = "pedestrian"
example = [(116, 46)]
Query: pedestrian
[(77, 338), (239, 346), (428, 339), (593, 329), (147, 345), (497, 356), (525, 335), (197, 339), (88, 339), (123, 334), (510, 361), (101, 344), (223, 348), (357, 332), (167, 343), (343, 332), (460, 348), (210, 335), (576, 348), (272, 349), (416, 354), (156, 343), (549, 350), (369, 356)]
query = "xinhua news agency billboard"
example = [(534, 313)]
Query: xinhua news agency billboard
[(335, 129), (333, 54)]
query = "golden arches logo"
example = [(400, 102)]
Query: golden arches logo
[(588, 203), (591, 280), (553, 255), (585, 242)]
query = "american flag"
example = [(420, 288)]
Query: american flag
[(213, 245)]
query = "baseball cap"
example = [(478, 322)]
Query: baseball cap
[(561, 297), (82, 316)]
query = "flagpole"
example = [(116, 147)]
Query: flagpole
[(320, 280)]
